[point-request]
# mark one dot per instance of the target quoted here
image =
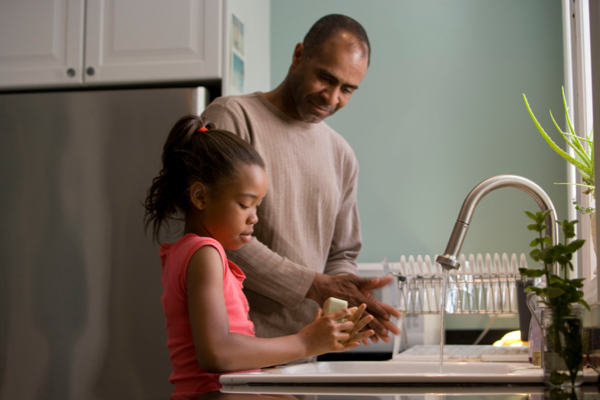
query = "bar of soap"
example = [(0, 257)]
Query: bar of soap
[(332, 305)]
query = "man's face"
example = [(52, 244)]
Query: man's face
[(323, 83)]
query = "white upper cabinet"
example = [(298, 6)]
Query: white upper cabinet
[(134, 41), (61, 43), (41, 43)]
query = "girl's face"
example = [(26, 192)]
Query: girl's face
[(229, 217)]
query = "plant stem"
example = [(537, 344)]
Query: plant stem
[(546, 270)]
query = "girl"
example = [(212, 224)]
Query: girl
[(215, 181)]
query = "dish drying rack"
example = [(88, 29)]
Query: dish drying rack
[(482, 285)]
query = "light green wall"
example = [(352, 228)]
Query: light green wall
[(439, 111)]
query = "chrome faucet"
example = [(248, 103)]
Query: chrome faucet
[(450, 258)]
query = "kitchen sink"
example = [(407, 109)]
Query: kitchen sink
[(361, 372)]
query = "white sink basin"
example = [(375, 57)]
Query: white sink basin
[(398, 367), (357, 372)]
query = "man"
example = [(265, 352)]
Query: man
[(308, 236)]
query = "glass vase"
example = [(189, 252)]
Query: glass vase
[(562, 347)]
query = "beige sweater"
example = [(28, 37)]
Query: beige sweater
[(308, 221)]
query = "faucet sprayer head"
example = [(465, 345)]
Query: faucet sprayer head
[(450, 258), (448, 262)]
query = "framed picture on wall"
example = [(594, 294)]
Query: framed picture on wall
[(237, 34), (237, 58)]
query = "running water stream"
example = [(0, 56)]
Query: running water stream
[(445, 273)]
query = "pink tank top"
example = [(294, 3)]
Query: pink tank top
[(187, 375)]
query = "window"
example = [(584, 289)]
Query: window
[(577, 26)]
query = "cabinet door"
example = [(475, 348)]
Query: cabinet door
[(141, 41), (41, 43)]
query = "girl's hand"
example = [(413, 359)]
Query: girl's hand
[(326, 335), (354, 332)]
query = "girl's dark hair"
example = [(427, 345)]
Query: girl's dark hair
[(211, 156)]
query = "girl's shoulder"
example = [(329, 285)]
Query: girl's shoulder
[(176, 258), (188, 245)]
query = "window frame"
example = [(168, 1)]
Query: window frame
[(578, 23)]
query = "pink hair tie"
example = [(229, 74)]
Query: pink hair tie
[(203, 129)]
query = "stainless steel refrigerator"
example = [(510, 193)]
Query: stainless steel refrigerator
[(80, 313)]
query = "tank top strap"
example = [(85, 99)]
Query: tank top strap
[(191, 244)]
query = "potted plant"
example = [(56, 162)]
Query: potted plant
[(583, 159), (562, 319)]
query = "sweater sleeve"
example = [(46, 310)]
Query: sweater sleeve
[(272, 275), (346, 242), (267, 272)]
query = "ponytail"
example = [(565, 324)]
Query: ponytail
[(194, 151)]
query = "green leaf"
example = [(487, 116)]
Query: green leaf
[(534, 227), (539, 291), (584, 303), (580, 166), (530, 215), (577, 282), (531, 273), (568, 228), (554, 292), (591, 153), (534, 254), (543, 215), (567, 116), (591, 141), (575, 245), (523, 270), (548, 241), (573, 142), (546, 255), (577, 184)]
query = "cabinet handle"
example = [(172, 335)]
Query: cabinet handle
[(70, 72), (90, 71)]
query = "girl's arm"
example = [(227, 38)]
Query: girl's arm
[(219, 350)]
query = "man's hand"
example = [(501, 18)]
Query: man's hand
[(356, 291)]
